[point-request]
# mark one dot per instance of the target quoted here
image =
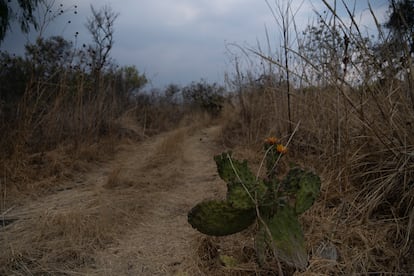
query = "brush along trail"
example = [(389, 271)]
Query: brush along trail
[(125, 217)]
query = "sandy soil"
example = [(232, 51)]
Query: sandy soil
[(132, 211)]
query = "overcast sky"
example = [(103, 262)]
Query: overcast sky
[(179, 41)]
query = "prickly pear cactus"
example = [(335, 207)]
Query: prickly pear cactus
[(220, 218), (283, 234), (243, 189), (278, 204), (305, 186)]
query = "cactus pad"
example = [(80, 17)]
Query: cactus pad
[(291, 182), (225, 164), (305, 186), (310, 185), (243, 189), (220, 218), (286, 237)]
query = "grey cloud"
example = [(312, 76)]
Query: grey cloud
[(181, 40)]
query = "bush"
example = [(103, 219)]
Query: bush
[(208, 97)]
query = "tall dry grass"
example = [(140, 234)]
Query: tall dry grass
[(357, 135), (59, 126)]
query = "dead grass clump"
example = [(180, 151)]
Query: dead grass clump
[(117, 179), (57, 243), (233, 255), (169, 149), (39, 173), (171, 145), (128, 127), (65, 240), (255, 115), (155, 116), (219, 257), (361, 144), (339, 242), (366, 207)]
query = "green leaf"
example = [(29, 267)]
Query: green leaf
[(242, 186), (220, 218), (286, 237)]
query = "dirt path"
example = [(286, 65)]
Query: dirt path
[(163, 241), (128, 217)]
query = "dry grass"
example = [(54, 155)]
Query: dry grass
[(365, 209), (64, 224), (62, 229), (360, 140), (63, 241), (117, 179)]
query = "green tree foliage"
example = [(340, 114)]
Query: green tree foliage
[(58, 92), (23, 13), (14, 74), (50, 57), (206, 96), (392, 51), (171, 93), (127, 82), (48, 60), (52, 72), (401, 23)]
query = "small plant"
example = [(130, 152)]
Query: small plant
[(274, 204)]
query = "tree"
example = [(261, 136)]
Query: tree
[(396, 52), (24, 13), (101, 27), (323, 47), (43, 67), (171, 92), (14, 74), (401, 24), (50, 56), (128, 81), (208, 97)]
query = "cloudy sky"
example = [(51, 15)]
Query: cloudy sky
[(179, 41)]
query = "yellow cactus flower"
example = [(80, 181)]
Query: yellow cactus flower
[(271, 140), (282, 149)]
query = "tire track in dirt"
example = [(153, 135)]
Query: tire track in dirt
[(163, 243), (126, 217)]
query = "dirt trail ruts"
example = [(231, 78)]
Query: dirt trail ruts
[(140, 201), (163, 243)]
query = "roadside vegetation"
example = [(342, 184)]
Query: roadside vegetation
[(342, 98), (348, 101)]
